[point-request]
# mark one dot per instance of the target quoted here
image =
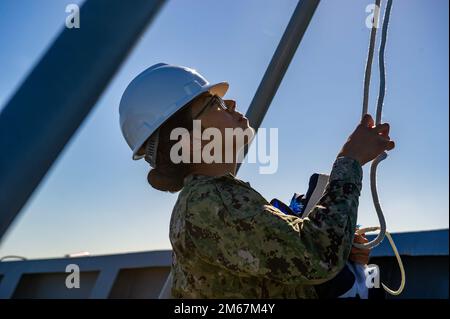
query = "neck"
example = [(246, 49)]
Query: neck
[(214, 169)]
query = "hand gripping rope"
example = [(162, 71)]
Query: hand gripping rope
[(373, 169)]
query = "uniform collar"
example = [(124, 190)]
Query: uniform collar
[(195, 177)]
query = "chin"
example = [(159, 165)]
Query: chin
[(252, 135)]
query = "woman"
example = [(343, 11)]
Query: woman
[(228, 241)]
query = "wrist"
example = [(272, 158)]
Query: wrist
[(347, 170), (352, 156)]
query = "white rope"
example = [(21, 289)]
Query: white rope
[(373, 169), (367, 77), (397, 256)]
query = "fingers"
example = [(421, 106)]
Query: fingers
[(390, 145), (382, 129), (364, 257), (367, 121), (386, 143), (360, 255), (360, 239)]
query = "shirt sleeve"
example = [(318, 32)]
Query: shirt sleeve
[(234, 229)]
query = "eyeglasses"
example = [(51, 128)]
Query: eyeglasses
[(215, 100)]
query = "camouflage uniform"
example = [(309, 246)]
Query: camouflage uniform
[(229, 242)]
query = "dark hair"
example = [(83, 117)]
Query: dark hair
[(168, 176)]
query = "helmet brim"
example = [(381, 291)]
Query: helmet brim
[(219, 89)]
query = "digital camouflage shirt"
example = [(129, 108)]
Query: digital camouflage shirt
[(229, 242)]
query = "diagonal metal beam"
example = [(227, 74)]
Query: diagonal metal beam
[(281, 59), (54, 99)]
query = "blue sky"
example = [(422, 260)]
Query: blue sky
[(96, 199)]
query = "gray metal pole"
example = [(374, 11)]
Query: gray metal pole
[(281, 59), (49, 106)]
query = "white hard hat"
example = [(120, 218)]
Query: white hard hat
[(154, 96)]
